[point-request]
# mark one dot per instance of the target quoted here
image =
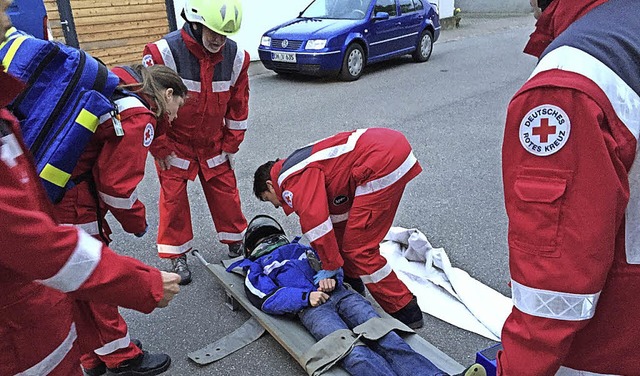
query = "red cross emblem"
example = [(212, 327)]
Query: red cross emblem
[(544, 130), (147, 136)]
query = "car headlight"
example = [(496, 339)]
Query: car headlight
[(316, 44), (265, 41)]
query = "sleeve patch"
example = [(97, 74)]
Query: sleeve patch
[(544, 130), (147, 60), (147, 137), (288, 198)]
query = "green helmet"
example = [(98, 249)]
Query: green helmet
[(222, 16)]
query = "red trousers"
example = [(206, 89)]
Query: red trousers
[(175, 230), (105, 334), (370, 218)]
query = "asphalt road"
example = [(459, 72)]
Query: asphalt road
[(452, 110)]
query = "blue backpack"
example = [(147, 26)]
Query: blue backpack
[(67, 92)]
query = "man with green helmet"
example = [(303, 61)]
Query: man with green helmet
[(209, 128)]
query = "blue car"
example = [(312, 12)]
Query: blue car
[(342, 36)]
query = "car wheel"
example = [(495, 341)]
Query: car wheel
[(353, 63), (424, 47)]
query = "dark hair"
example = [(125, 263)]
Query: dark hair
[(262, 174), (543, 4)]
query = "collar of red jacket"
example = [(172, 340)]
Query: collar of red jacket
[(556, 19), (127, 79), (11, 87), (275, 173), (197, 49)]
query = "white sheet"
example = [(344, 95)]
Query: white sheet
[(443, 291)]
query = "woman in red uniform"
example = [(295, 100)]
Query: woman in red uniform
[(106, 177)]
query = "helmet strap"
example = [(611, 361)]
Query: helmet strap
[(195, 29)]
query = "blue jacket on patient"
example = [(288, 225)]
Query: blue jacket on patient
[(280, 282)]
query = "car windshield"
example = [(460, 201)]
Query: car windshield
[(337, 9)]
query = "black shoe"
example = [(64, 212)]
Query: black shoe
[(356, 284), (180, 267), (96, 371), (410, 315), (235, 249), (146, 364), (474, 370), (102, 368)]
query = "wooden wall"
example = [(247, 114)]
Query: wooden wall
[(115, 31)]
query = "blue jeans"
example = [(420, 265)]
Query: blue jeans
[(390, 355)]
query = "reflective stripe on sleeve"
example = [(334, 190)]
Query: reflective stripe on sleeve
[(79, 266), (216, 161), (319, 231), (119, 202), (180, 163), (387, 180), (239, 125), (113, 346), (623, 99), (378, 275), (48, 364), (324, 154), (167, 55), (553, 304)]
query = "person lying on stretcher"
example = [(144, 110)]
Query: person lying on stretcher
[(285, 278)]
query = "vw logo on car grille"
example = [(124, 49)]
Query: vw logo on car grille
[(285, 43)]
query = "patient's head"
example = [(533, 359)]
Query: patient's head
[(264, 234)]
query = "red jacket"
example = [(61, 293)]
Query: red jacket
[(116, 164), (572, 196), (45, 266), (320, 181), (214, 117)]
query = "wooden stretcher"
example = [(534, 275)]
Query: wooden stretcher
[(288, 332)]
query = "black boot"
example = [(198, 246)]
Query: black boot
[(102, 368), (474, 370), (410, 315), (356, 284), (146, 364), (235, 249), (180, 267)]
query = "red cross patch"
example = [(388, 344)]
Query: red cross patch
[(147, 60), (544, 130), (288, 198), (147, 137)]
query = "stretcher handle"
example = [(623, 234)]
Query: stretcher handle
[(197, 255)]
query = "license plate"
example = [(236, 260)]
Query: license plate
[(286, 57)]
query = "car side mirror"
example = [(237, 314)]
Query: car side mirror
[(381, 16)]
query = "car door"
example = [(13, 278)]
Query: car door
[(410, 23), (384, 34)]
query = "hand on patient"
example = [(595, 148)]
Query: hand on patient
[(317, 297), (327, 285)]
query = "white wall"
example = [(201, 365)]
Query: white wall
[(259, 16), (495, 6)]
